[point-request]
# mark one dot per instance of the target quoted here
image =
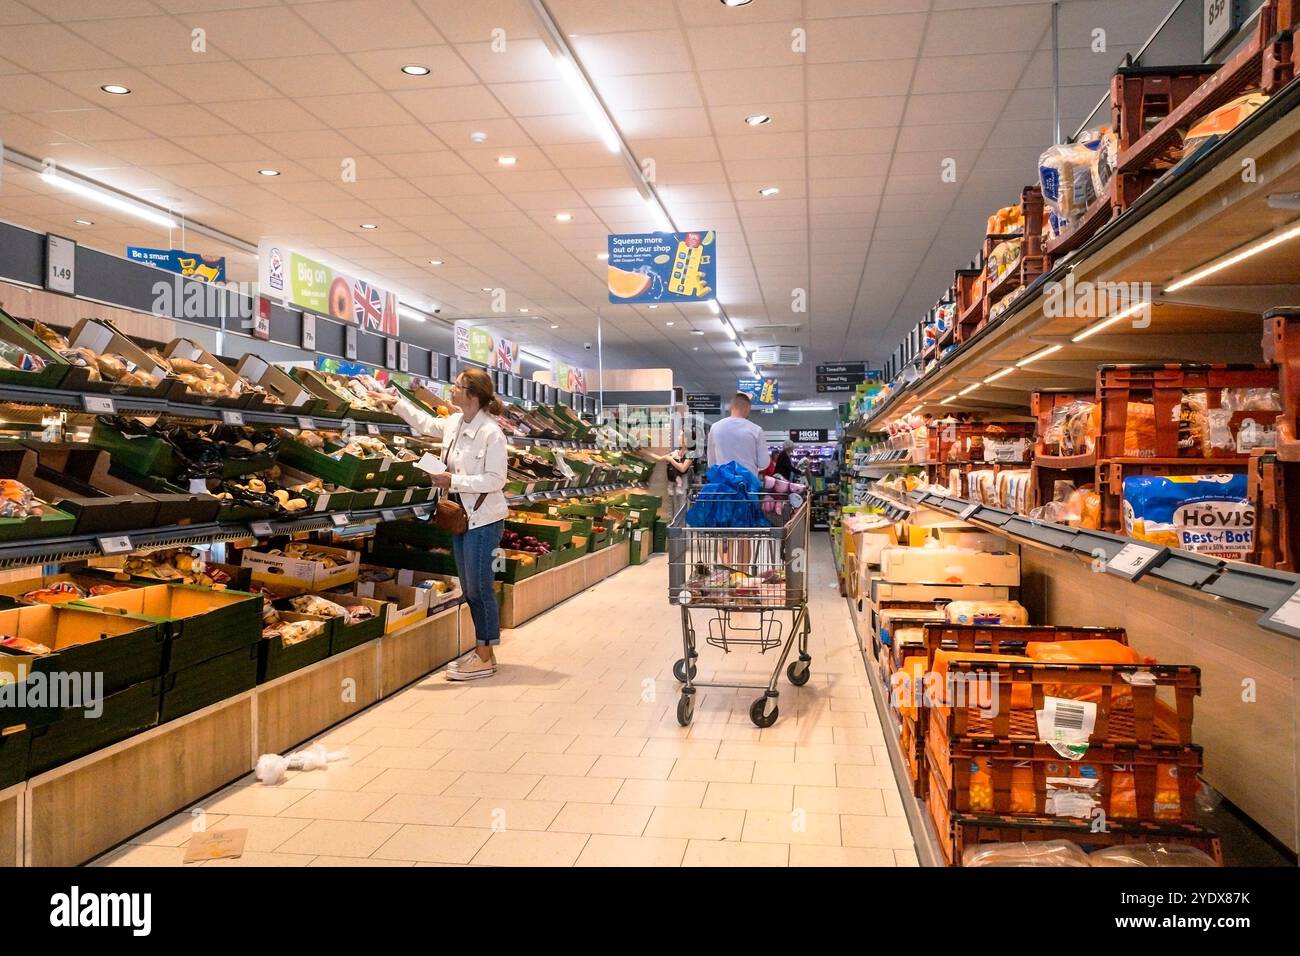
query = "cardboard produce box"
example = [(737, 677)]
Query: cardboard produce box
[(200, 623), (102, 337), (235, 383), (12, 592), (306, 574), (442, 589), (401, 604), (881, 591), (948, 566), (294, 399), (92, 512)]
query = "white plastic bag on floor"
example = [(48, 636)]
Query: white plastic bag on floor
[(271, 768)]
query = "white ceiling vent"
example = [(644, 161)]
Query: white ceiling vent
[(783, 355)]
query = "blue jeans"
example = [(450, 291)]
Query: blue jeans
[(473, 551)]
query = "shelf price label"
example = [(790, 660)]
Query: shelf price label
[(372, 428), (1285, 617), (232, 417), (260, 529), (420, 511), (99, 404), (116, 544), (305, 423), (340, 520), (1135, 560), (388, 514), (968, 511)]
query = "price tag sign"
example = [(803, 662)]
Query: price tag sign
[(305, 423), (60, 265), (99, 404), (118, 544), (232, 418), (372, 428), (340, 520), (968, 511), (350, 342), (261, 529), (388, 514), (1285, 617), (309, 332), (1135, 560), (420, 512)]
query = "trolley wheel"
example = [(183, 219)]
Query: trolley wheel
[(685, 709), (679, 671), (798, 672), (760, 718)]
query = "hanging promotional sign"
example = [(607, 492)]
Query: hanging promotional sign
[(297, 280), (761, 391), (569, 378), (478, 345), (188, 264), (382, 375), (663, 267)]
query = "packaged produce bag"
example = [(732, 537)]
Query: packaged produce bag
[(1207, 514)]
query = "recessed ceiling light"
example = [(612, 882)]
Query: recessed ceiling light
[(695, 348), (115, 89), (478, 136), (696, 332), (84, 222), (758, 119), (736, 3), (668, 323), (268, 172), (435, 262), (769, 190), (563, 216), (368, 225), (602, 256), (653, 306), (415, 69), (506, 160), (485, 288), (555, 326), (523, 310)]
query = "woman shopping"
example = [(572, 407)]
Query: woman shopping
[(474, 452)]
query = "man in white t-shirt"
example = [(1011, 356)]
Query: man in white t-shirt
[(737, 439)]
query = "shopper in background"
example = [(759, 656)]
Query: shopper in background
[(681, 466), (736, 438), (784, 463), (474, 450)]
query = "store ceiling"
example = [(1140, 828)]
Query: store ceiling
[(860, 125)]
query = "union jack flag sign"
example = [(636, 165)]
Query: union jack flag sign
[(375, 309)]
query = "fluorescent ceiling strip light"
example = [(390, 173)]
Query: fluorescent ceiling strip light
[(1107, 323), (968, 389), (109, 199), (406, 312), (545, 360), (658, 214), (812, 408), (590, 105), (950, 398), (997, 375), (731, 333), (1041, 353), (714, 307), (1235, 258)]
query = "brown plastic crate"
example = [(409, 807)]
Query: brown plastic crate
[(911, 738), (1008, 638), (1162, 386), (1274, 488), (975, 829), (1140, 96), (1128, 711), (1281, 346), (1132, 783), (1043, 405)]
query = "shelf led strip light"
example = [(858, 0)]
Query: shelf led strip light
[(1286, 234)]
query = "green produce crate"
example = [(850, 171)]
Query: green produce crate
[(392, 497), (52, 524), (565, 555), (125, 649), (73, 734), (412, 531), (15, 338), (516, 570), (399, 474), (661, 536), (349, 471), (600, 541), (362, 500), (145, 455), (238, 467), (556, 537), (347, 636), (583, 509), (216, 679), (640, 542), (639, 501), (15, 747), (547, 562), (199, 623), (275, 660)]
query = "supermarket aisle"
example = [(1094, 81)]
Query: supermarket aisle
[(572, 755)]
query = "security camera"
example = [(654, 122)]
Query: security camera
[(587, 346), (437, 311)]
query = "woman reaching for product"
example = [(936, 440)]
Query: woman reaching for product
[(474, 451)]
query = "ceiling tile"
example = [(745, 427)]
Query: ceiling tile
[(836, 81), (355, 25), (317, 75), (854, 39), (264, 33), (462, 22), (858, 113), (521, 61), (235, 82), (461, 103), (384, 67), (41, 47), (357, 109), (33, 93), (264, 116)]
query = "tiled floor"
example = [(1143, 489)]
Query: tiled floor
[(571, 755)]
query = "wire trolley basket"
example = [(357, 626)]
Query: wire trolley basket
[(747, 580)]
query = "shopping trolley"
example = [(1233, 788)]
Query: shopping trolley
[(735, 574)]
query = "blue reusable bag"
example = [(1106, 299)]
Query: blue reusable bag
[(729, 499)]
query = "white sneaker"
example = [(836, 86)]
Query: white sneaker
[(472, 669), (463, 659)]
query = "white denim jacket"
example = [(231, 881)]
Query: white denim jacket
[(478, 458)]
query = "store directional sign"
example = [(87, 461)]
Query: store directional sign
[(834, 386), (838, 379), (844, 368), (704, 402)]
